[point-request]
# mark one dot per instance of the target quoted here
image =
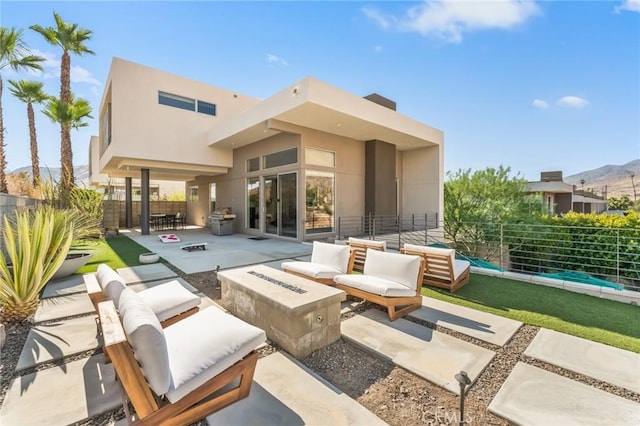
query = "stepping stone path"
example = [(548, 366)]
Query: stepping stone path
[(481, 325), (435, 356), (55, 308), (602, 362), (284, 392), (151, 272), (532, 396)]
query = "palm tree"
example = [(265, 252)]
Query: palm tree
[(68, 114), (31, 93), (70, 38), (14, 54)]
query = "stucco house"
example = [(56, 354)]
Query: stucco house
[(287, 165), (559, 197)]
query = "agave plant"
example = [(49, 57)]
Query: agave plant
[(36, 244)]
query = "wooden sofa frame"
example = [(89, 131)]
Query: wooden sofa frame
[(397, 307), (326, 281), (360, 249), (438, 271), (149, 408)]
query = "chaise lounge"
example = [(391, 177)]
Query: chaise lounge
[(442, 269), (327, 261), (180, 374), (388, 279)]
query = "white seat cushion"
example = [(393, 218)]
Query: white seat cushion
[(147, 339), (459, 266), (331, 255), (375, 285), (204, 345), (169, 299), (380, 244), (111, 283), (432, 250), (312, 270), (400, 268)]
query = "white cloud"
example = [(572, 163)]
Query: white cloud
[(273, 59), (51, 69), (375, 15), (450, 19), (630, 5), (82, 75), (573, 102), (540, 104)]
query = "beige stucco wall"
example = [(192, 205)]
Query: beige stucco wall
[(422, 182), (145, 130)]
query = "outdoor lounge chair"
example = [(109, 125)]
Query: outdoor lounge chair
[(442, 269), (327, 261), (392, 280), (170, 302), (180, 374), (360, 246)]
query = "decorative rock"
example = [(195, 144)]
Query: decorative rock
[(3, 336), (148, 258)]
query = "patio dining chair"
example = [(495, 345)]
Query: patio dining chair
[(182, 373), (391, 280), (327, 261)]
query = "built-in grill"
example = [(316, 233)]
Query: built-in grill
[(221, 221)]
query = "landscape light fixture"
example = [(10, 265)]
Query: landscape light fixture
[(464, 381)]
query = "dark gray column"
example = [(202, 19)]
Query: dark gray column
[(144, 201), (380, 178), (128, 203)]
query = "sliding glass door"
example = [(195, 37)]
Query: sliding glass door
[(280, 204)]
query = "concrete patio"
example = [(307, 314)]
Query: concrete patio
[(286, 392)]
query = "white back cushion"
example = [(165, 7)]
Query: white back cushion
[(381, 244), (401, 268), (146, 337), (111, 282), (333, 255), (433, 250)]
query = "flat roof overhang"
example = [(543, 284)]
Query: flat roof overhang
[(159, 170), (313, 104)]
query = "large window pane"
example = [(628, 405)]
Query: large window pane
[(253, 203), (319, 202), (253, 164), (282, 158), (176, 101), (206, 108)]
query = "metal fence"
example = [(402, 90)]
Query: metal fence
[(611, 254)]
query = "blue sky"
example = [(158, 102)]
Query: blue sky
[(536, 86)]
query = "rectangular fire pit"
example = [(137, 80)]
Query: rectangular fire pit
[(298, 314)]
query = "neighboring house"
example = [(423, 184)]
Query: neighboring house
[(559, 197), (288, 165)]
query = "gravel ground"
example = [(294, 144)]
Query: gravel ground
[(392, 393)]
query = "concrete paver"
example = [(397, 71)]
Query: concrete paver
[(61, 395), (228, 251), (481, 325), (150, 272), (602, 362), (532, 396), (55, 308), (56, 340), (284, 392), (435, 356), (64, 286)]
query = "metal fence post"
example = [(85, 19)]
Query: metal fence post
[(399, 237), (502, 245), (618, 256)]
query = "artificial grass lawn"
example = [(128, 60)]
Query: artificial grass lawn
[(601, 320), (117, 252)]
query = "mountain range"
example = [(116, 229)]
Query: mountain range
[(81, 173), (614, 180)]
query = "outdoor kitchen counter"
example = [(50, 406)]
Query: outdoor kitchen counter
[(298, 314)]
